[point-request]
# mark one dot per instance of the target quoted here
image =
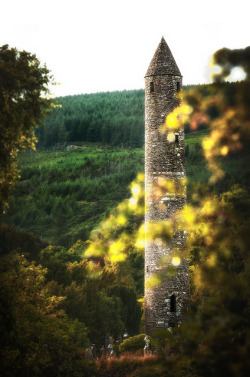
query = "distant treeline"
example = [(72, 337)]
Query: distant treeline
[(112, 118)]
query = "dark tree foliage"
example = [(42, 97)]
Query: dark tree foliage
[(113, 118), (228, 59), (90, 294), (37, 339), (23, 104), (12, 239), (131, 310)]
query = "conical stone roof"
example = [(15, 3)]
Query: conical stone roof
[(163, 62)]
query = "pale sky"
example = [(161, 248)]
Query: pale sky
[(106, 45)]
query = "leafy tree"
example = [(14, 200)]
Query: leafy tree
[(37, 339), (24, 102)]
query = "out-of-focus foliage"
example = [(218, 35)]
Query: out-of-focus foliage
[(227, 114), (214, 340), (228, 59), (215, 337), (37, 338), (112, 238), (219, 328), (24, 102)]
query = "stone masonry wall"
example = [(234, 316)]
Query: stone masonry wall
[(164, 159)]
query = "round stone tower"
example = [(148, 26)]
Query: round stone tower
[(164, 159)]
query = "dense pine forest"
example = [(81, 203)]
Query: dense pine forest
[(111, 118), (57, 300)]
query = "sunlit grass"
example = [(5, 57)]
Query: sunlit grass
[(196, 137)]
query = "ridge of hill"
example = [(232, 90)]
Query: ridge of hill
[(111, 118)]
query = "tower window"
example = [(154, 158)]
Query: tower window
[(152, 87), (173, 303), (171, 324), (178, 86), (176, 138)]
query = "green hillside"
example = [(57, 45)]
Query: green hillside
[(65, 191), (62, 195)]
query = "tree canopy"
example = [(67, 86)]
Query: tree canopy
[(24, 101)]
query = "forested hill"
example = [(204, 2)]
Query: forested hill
[(112, 118)]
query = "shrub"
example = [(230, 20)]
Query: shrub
[(134, 343)]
